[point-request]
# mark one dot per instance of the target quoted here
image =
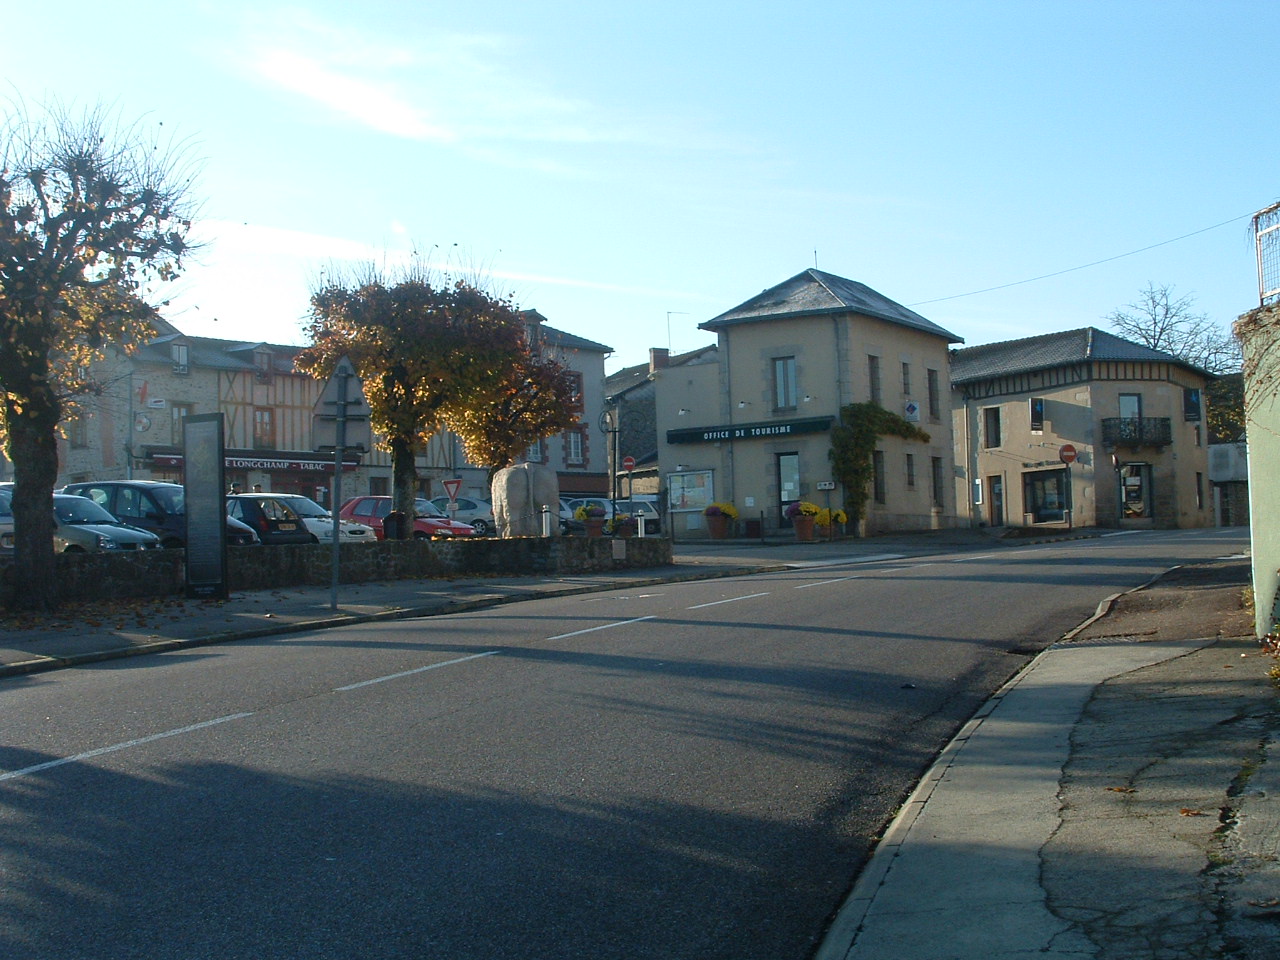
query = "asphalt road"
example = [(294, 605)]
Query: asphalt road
[(689, 771)]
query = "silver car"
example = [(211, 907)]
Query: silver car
[(6, 520), (81, 526)]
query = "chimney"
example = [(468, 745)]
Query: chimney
[(658, 357)]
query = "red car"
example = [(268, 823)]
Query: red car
[(429, 522)]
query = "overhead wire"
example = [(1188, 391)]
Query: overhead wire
[(1083, 266)]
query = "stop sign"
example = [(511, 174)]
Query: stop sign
[(1067, 453), (628, 463)]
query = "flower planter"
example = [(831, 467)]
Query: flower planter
[(595, 526), (804, 527), (718, 527)]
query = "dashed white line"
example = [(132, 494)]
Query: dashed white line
[(603, 626), (716, 603), (820, 583), (409, 673), (90, 754)]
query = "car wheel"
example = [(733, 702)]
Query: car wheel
[(74, 549), (419, 535), (482, 527)]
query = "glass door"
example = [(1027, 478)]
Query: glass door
[(788, 484)]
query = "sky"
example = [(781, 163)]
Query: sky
[(1006, 168)]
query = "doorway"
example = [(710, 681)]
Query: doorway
[(995, 501), (788, 465), (1135, 491)]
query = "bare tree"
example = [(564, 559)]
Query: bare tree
[(91, 213), (1162, 321)]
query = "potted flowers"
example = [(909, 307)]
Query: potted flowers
[(827, 520), (592, 517), (720, 517), (802, 515), (623, 525)]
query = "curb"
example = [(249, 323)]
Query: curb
[(438, 608)]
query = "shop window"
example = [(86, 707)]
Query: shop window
[(1045, 495)]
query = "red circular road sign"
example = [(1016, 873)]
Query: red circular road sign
[(1067, 453), (628, 463)]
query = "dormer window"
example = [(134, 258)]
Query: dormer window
[(181, 357), (262, 360)]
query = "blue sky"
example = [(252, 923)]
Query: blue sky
[(630, 170)]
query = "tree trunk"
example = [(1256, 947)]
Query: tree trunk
[(33, 450), (404, 479)]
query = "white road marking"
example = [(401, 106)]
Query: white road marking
[(409, 673), (875, 558), (716, 603), (820, 583), (603, 626), (981, 556), (88, 755)]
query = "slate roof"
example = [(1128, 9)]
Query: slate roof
[(209, 353), (568, 341), (814, 292), (1051, 350), (628, 378)]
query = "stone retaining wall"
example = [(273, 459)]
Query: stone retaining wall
[(160, 573)]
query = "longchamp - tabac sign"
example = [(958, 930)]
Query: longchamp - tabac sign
[(750, 431)]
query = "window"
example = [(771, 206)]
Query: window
[(78, 432), (906, 379), (380, 486), (877, 478), (1198, 437), (181, 357), (937, 482), (1191, 403), (575, 381), (1130, 406), (264, 429), (784, 383), (873, 379), (911, 470), (990, 427), (935, 401), (534, 453), (177, 413), (1037, 414), (262, 361), (573, 447)]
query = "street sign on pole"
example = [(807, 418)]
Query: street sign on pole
[(1067, 453), (628, 463), (451, 487)]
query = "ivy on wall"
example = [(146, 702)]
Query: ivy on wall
[(853, 441)]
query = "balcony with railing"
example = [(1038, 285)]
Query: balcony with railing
[(1137, 431)]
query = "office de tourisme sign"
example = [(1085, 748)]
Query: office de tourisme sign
[(750, 431)]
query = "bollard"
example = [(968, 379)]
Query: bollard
[(546, 520)]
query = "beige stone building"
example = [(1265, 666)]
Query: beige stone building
[(754, 427), (1080, 428)]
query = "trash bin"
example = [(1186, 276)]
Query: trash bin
[(395, 526)]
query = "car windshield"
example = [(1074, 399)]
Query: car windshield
[(80, 510), (6, 501), (425, 508), (306, 507)]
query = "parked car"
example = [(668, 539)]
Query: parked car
[(6, 521), (476, 513), (81, 526), (319, 522), (273, 520), (429, 521), (154, 505), (632, 508)]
